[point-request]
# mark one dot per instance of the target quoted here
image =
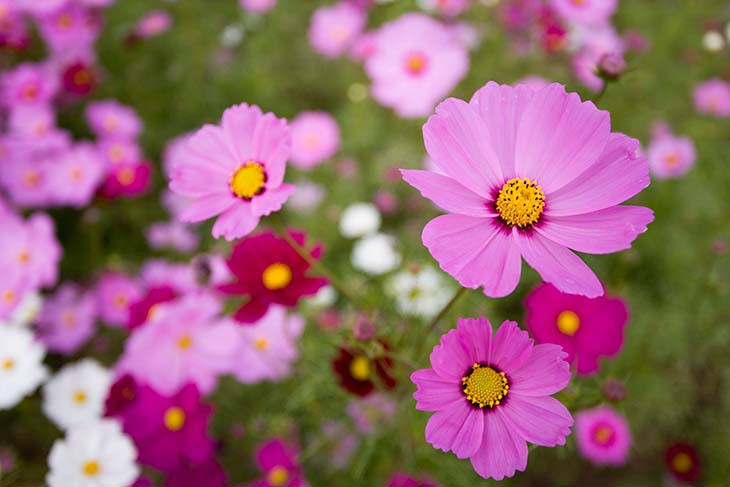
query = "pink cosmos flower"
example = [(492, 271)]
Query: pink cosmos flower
[(119, 151), (175, 235), (401, 480), (235, 170), (110, 119), (13, 32), (127, 180), (528, 174), (603, 436), (268, 348), (26, 182), (79, 76), (32, 122), (174, 151), (586, 12), (27, 84), (169, 431), (69, 28), (40, 7), (257, 6), (13, 288), (31, 246), (586, 328), (491, 395), (153, 24), (671, 156), (115, 292), (712, 97), (417, 61), (144, 309), (67, 319), (76, 175), (279, 464), (159, 272), (334, 28), (534, 82), (315, 138), (448, 8), (183, 341), (372, 411)]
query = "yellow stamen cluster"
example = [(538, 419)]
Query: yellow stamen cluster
[(91, 468), (276, 276), (484, 386), (360, 368), (248, 180), (520, 202), (602, 434), (174, 419), (184, 342), (568, 322), (416, 63), (278, 476), (682, 462)]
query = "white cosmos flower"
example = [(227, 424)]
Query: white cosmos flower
[(95, 454), (375, 254), (76, 394), (359, 219), (419, 292), (27, 310), (21, 364)]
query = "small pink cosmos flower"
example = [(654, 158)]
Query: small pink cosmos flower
[(175, 235), (315, 138), (119, 151), (69, 28), (28, 84), (416, 62), (603, 436), (110, 119), (235, 170), (586, 328), (402, 480), (491, 395), (335, 28), (586, 12), (153, 24), (257, 6), (76, 175), (712, 97), (279, 463), (528, 174), (115, 292), (67, 319), (671, 156), (31, 246)]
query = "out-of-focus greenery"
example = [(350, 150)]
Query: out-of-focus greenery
[(675, 359)]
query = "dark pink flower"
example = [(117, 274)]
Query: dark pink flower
[(280, 465)]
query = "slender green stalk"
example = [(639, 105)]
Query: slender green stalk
[(435, 321)]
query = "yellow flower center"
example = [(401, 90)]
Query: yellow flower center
[(261, 344), (360, 368), (520, 202), (8, 364), (121, 301), (174, 419), (125, 176), (184, 342), (311, 141), (154, 309), (31, 178), (81, 77), (672, 159), (682, 463), (579, 2), (568, 322), (416, 63), (64, 21), (91, 468), (248, 180), (9, 296), (30, 91), (484, 386), (69, 319), (116, 153), (278, 476), (276, 276), (24, 257), (603, 434), (75, 174), (80, 397)]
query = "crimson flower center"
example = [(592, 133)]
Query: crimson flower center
[(485, 386)]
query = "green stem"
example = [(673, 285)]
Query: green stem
[(434, 322)]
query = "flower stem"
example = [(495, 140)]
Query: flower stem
[(434, 322)]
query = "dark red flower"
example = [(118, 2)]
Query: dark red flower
[(121, 395), (208, 474), (79, 78), (270, 271), (142, 309), (683, 463), (357, 372), (126, 180)]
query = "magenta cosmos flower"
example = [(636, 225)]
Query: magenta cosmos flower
[(671, 156), (257, 6), (491, 395), (712, 97), (401, 480), (28, 84), (269, 271), (335, 28), (235, 170), (603, 436), (315, 138), (279, 463), (528, 174), (586, 328), (416, 62), (586, 12)]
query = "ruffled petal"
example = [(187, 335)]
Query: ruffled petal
[(450, 359), (447, 193), (272, 200), (511, 347), (236, 222), (434, 392), (477, 338), (502, 451), (545, 373), (541, 420), (207, 206), (458, 428)]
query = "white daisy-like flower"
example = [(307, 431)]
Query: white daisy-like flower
[(76, 394), (420, 293), (713, 41), (325, 297), (375, 254), (27, 310), (359, 219), (95, 454), (21, 364)]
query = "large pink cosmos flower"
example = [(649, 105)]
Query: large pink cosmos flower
[(586, 328), (491, 395), (416, 62), (235, 170), (528, 174)]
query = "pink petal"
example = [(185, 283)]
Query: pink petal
[(271, 200), (195, 176), (450, 359), (619, 174), (454, 139), (502, 451), (511, 347), (559, 137), (541, 420), (236, 222), (477, 337), (207, 206), (238, 123), (272, 146), (210, 144), (447, 193), (435, 392), (558, 265), (475, 251), (545, 373), (459, 429), (501, 108)]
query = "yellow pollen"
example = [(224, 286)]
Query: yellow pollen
[(276, 276), (415, 63), (278, 476), (248, 180), (682, 462), (484, 386), (184, 342), (91, 468), (125, 176), (672, 159), (9, 296), (520, 202), (80, 397), (8, 364), (360, 368), (261, 344), (31, 178), (174, 419), (24, 257), (568, 322), (602, 434), (30, 92)]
